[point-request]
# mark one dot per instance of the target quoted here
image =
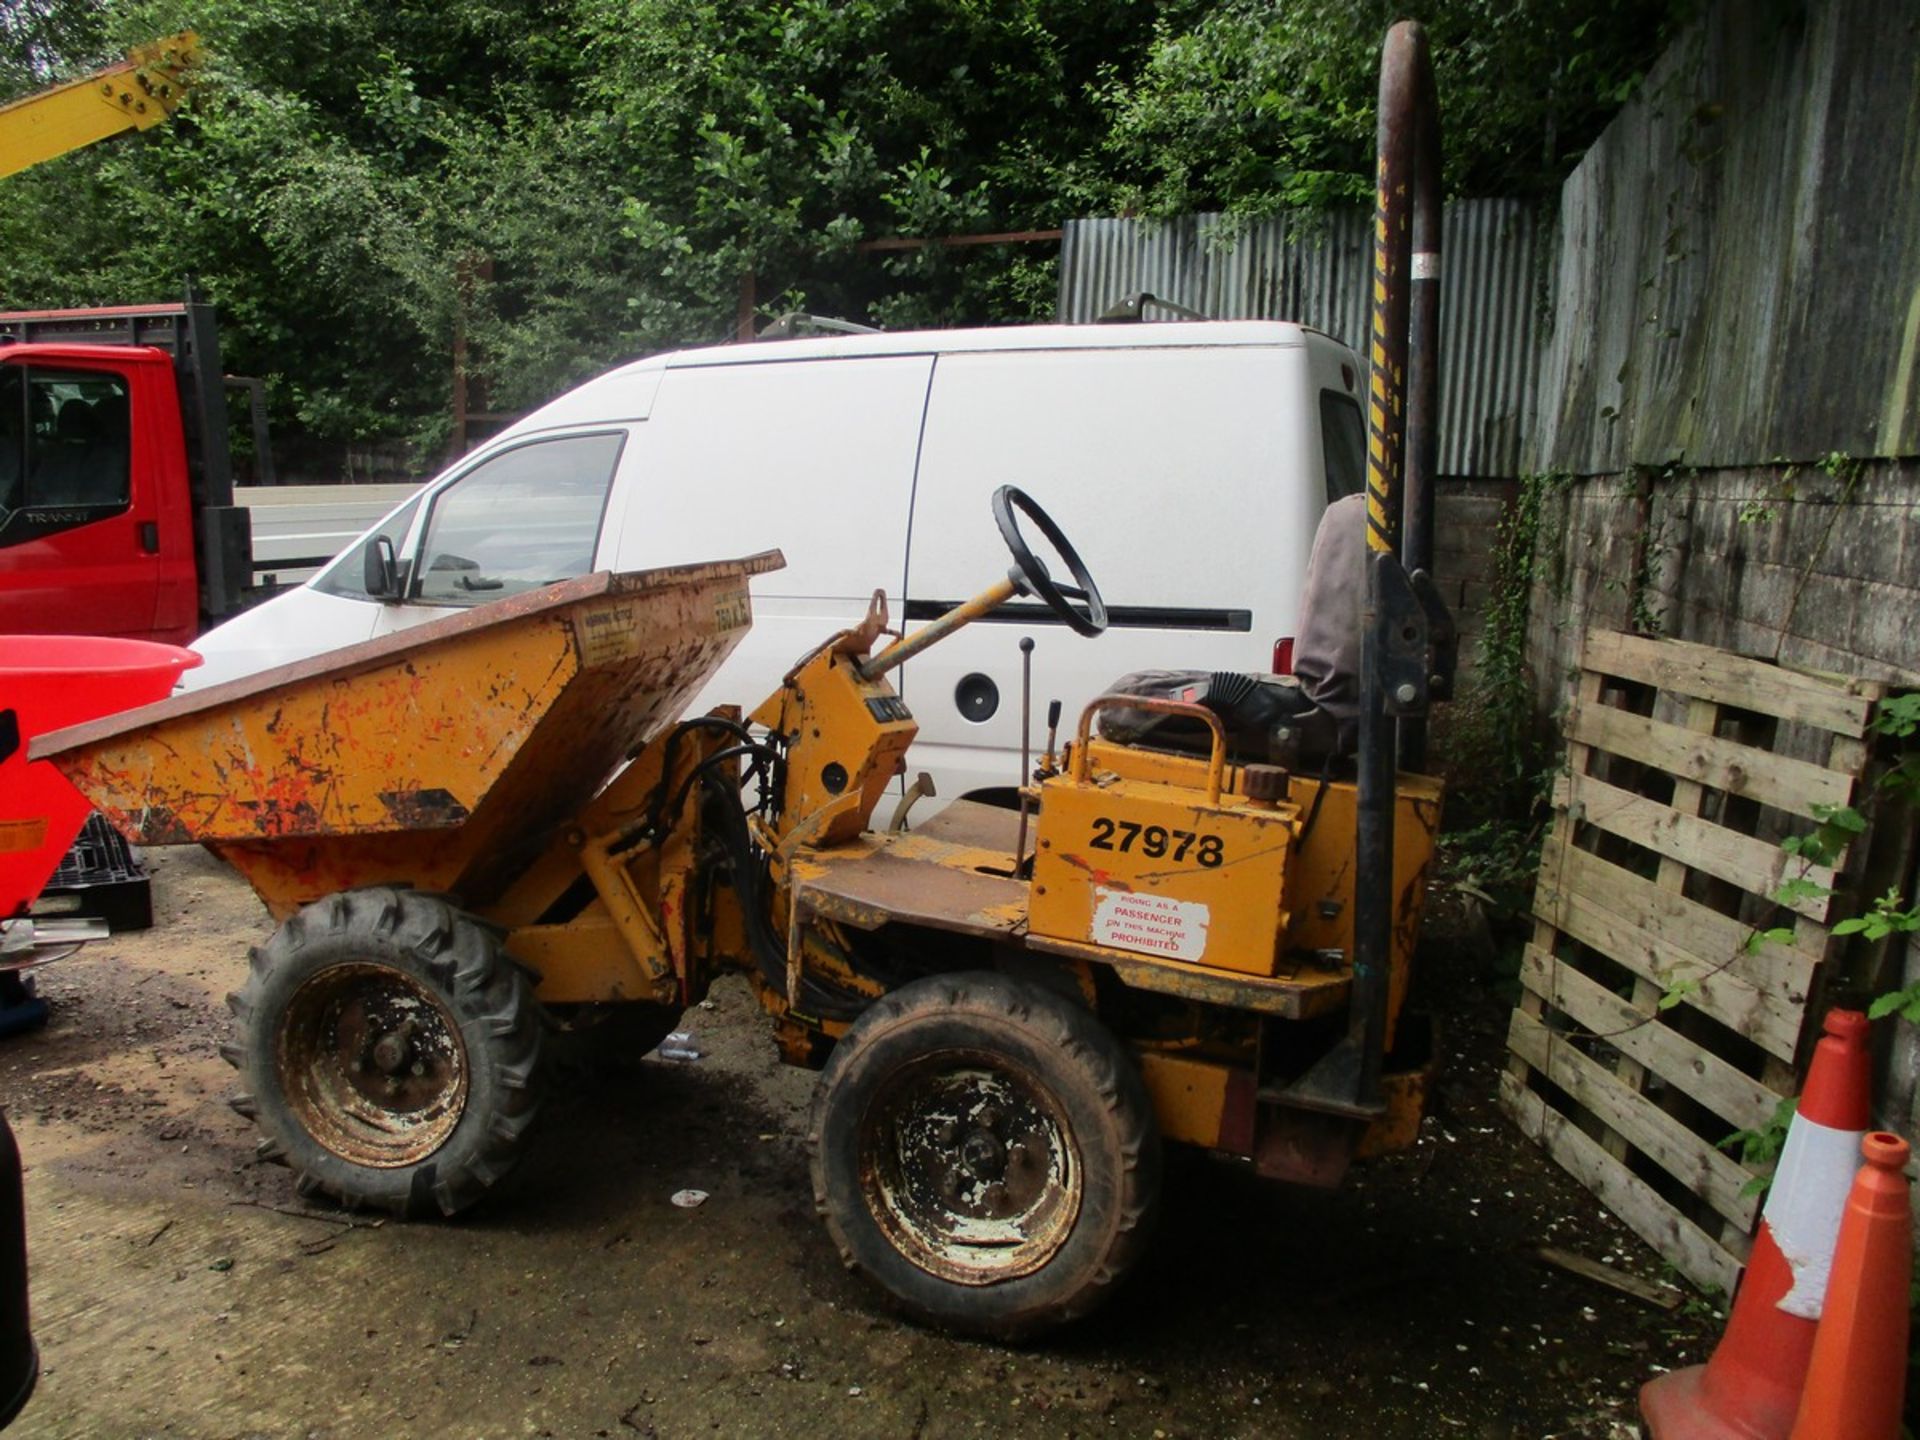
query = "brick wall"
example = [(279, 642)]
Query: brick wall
[(1467, 516)]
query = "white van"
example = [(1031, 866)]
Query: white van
[(1189, 462)]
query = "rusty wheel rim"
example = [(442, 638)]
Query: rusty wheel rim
[(372, 1063), (969, 1167)]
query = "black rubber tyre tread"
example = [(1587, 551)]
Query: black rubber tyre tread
[(500, 1026), (1091, 1076)]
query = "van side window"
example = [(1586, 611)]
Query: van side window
[(348, 575), (1343, 435), (525, 518), (64, 450)]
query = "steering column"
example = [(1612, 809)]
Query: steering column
[(1078, 605)]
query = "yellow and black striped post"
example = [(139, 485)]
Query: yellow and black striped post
[(1406, 185), (1386, 373)]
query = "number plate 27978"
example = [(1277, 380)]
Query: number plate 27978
[(1158, 842)]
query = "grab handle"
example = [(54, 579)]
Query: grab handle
[(1216, 761)]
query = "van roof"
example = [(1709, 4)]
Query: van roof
[(1129, 335), (626, 391)]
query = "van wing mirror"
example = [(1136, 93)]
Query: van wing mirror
[(382, 570)]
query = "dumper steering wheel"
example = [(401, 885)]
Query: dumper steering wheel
[(1030, 573)]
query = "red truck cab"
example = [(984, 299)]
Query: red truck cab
[(116, 490)]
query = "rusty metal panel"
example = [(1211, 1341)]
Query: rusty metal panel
[(941, 877), (1739, 272), (1307, 990), (1316, 270)]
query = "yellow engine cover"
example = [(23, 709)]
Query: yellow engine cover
[(1154, 869)]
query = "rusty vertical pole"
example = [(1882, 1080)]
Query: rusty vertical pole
[(1406, 109), (1422, 439)]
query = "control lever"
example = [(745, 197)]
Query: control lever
[(1026, 745), (921, 788)]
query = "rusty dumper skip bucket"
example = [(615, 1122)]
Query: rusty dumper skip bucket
[(439, 758)]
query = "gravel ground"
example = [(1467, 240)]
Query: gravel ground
[(181, 1288)]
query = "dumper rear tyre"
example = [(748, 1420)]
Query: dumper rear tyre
[(389, 1050), (984, 1150)]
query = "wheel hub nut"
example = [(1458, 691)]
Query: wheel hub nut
[(390, 1050), (984, 1156)]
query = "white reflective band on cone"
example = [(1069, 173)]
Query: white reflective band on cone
[(1803, 1210)]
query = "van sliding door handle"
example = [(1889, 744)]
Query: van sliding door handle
[(149, 537)]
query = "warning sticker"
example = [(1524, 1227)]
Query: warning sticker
[(733, 610), (1149, 924), (607, 633)]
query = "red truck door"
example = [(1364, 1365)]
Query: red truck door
[(95, 523)]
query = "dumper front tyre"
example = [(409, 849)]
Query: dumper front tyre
[(390, 1052), (984, 1150)]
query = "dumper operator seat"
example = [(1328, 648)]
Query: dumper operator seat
[(1308, 720)]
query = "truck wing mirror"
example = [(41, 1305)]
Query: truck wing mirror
[(382, 570)]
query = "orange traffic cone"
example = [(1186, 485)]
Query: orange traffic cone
[(1858, 1377), (1750, 1388)]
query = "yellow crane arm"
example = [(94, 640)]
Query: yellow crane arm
[(141, 91)]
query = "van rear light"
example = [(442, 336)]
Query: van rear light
[(1283, 655)]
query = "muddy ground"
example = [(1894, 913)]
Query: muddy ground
[(181, 1288)]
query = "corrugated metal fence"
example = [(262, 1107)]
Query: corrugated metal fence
[(1315, 269)]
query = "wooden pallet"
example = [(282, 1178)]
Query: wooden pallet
[(1686, 766)]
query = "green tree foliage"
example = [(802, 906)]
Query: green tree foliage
[(1254, 106), (568, 184), (44, 39)]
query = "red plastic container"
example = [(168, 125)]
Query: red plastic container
[(49, 682)]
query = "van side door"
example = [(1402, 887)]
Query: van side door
[(1190, 480)]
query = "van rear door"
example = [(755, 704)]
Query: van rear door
[(1189, 478)]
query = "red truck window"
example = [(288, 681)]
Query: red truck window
[(64, 450)]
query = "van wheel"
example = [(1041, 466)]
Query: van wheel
[(985, 1152), (389, 1051)]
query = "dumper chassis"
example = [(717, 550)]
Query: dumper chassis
[(1004, 1050)]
